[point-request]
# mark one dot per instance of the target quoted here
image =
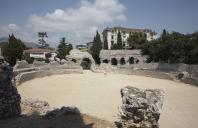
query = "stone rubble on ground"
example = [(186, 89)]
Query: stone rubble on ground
[(35, 105), (141, 108), (9, 97)]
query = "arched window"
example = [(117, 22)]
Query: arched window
[(122, 61), (131, 60), (86, 63), (114, 61)]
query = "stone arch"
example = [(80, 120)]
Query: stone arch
[(122, 61), (131, 60), (74, 60), (105, 61), (86, 63), (114, 61)]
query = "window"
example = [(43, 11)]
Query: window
[(112, 37)]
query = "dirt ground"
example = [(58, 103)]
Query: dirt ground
[(99, 95)]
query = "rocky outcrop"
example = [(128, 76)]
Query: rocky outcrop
[(141, 108), (9, 97)]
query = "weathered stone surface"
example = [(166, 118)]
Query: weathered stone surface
[(122, 57), (9, 97), (22, 64), (81, 58), (141, 108), (34, 105)]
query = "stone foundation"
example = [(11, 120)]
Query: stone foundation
[(141, 108), (9, 97)]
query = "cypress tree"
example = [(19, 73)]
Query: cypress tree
[(96, 47), (105, 43), (119, 41)]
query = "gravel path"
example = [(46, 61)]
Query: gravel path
[(99, 95)]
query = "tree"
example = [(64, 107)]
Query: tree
[(119, 44), (106, 43), (173, 48), (96, 47), (63, 49), (119, 41), (41, 40), (136, 40), (13, 50)]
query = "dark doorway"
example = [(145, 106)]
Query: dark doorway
[(131, 60), (114, 61), (106, 61), (122, 61), (86, 64)]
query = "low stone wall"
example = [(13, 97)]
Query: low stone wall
[(9, 97), (26, 76)]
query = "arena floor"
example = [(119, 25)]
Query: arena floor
[(99, 95)]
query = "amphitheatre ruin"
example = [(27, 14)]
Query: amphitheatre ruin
[(104, 91)]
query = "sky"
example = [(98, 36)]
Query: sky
[(78, 20)]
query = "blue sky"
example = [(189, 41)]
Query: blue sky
[(78, 20)]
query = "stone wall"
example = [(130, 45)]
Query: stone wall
[(141, 108), (121, 57), (81, 58), (9, 97)]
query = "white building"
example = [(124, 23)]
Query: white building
[(40, 53), (111, 34)]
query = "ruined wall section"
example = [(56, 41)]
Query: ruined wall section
[(9, 97)]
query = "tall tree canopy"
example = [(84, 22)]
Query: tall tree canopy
[(96, 47), (173, 48), (136, 39), (42, 42), (119, 44), (13, 50), (63, 48)]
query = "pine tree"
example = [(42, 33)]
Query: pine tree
[(106, 43), (96, 47)]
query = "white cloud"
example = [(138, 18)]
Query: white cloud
[(80, 23), (13, 27)]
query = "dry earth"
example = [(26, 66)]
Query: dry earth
[(99, 95)]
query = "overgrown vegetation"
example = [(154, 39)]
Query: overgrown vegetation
[(172, 48)]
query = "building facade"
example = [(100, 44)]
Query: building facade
[(40, 53), (111, 34)]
